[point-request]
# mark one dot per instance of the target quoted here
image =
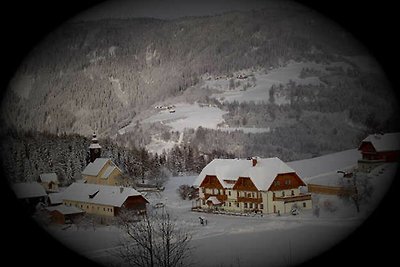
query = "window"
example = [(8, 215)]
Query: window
[(237, 205), (252, 195), (261, 206), (230, 204), (304, 204), (248, 194), (203, 190), (104, 209), (283, 193), (245, 205), (273, 194), (292, 192), (229, 193), (204, 202), (250, 205), (277, 183)]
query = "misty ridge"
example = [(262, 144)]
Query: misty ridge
[(100, 75)]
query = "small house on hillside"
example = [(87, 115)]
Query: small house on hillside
[(30, 194), (377, 149), (103, 199), (49, 181), (251, 185)]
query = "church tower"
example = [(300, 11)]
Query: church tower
[(94, 149)]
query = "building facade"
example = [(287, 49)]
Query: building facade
[(377, 149), (102, 171), (252, 185), (49, 181), (103, 199)]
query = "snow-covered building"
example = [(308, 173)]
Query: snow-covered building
[(49, 181), (55, 199), (103, 171), (251, 185), (30, 194), (62, 214), (377, 149), (103, 199)]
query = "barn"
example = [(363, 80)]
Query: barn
[(103, 199), (377, 149)]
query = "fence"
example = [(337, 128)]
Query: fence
[(331, 190)]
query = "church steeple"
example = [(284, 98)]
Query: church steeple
[(94, 148)]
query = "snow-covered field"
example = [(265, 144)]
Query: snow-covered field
[(266, 240), (193, 116), (190, 116), (265, 79)]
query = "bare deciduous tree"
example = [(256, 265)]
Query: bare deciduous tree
[(154, 240)]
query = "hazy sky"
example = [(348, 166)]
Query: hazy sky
[(166, 9)]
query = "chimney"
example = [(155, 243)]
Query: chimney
[(254, 161)]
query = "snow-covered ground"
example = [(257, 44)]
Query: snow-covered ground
[(189, 116), (266, 240), (193, 116)]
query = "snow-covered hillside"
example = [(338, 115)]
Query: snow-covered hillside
[(257, 84), (187, 116)]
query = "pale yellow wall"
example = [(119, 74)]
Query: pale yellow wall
[(46, 186), (113, 179), (91, 208)]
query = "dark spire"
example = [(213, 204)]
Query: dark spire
[(94, 148)]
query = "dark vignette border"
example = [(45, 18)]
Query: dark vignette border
[(24, 23)]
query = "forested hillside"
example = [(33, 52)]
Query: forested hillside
[(98, 75)]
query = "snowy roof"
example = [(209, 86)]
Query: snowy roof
[(214, 200), (262, 174), (99, 194), (384, 142), (49, 177), (95, 146), (28, 190), (55, 198), (108, 171), (63, 209), (307, 168), (93, 168)]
